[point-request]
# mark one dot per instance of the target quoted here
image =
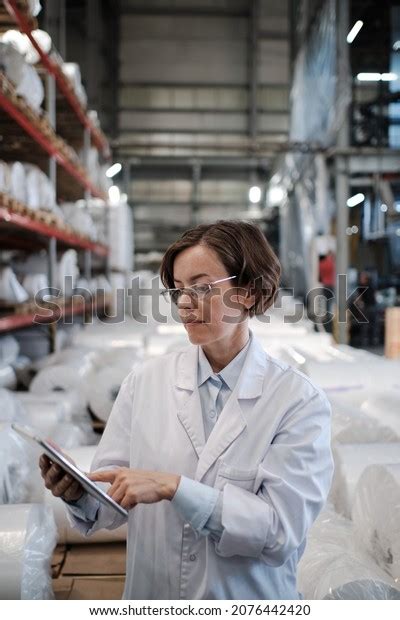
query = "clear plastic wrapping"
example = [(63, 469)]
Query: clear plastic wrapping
[(27, 541), (351, 425), (333, 567), (376, 515), (15, 467)]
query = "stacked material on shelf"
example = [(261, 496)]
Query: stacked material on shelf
[(28, 537), (17, 181), (333, 567), (24, 77), (375, 514), (40, 192), (350, 462), (83, 457), (11, 290), (72, 71), (67, 272), (9, 350), (351, 425), (77, 216), (36, 285), (15, 460)]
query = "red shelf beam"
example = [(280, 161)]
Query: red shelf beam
[(26, 223), (47, 145), (54, 69)]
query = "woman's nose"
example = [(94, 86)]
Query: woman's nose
[(187, 301)]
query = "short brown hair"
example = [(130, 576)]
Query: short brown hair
[(243, 250)]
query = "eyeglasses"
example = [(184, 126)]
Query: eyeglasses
[(197, 291)]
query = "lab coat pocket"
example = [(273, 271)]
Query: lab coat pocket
[(244, 478)]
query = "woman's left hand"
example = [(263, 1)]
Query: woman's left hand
[(136, 486)]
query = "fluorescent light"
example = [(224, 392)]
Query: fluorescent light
[(275, 195), (254, 194), (349, 231), (398, 232), (396, 46), (377, 77), (113, 170), (114, 195), (355, 200), (354, 31), (384, 208), (354, 229), (369, 77)]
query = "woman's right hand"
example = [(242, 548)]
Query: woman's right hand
[(58, 481)]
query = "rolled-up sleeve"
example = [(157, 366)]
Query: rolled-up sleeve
[(112, 452), (292, 483)]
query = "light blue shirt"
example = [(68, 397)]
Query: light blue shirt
[(198, 504)]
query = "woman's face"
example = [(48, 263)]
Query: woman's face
[(218, 314)]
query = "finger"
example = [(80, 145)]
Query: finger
[(61, 486), (127, 503), (44, 464), (119, 494), (54, 474), (103, 476)]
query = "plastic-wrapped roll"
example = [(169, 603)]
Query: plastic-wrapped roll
[(375, 513), (4, 177), (103, 389), (384, 407), (8, 378), (17, 181), (11, 409), (333, 568), (72, 355), (23, 370), (83, 457), (350, 462), (15, 467), (10, 288), (63, 378), (350, 425), (44, 40), (72, 403), (44, 416), (27, 542)]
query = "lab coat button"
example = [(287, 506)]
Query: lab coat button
[(212, 413), (192, 557)]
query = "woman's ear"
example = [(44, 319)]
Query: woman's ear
[(245, 297)]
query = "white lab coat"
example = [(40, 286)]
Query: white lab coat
[(269, 452)]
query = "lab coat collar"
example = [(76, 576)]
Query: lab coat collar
[(251, 378), (231, 421)]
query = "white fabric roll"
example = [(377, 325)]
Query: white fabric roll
[(103, 390), (27, 541), (350, 425), (24, 77), (68, 272), (385, 408), (15, 467), (17, 181), (10, 289), (70, 376), (376, 515), (83, 457), (8, 378), (23, 370), (71, 403), (350, 462), (9, 350), (333, 568), (4, 178), (44, 40)]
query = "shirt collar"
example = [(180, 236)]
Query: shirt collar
[(229, 374)]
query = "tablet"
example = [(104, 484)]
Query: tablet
[(57, 457)]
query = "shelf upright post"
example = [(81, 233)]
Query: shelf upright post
[(52, 246), (87, 254)]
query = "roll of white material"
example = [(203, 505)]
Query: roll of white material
[(71, 403), (71, 376), (17, 181), (15, 467), (8, 378), (23, 370), (44, 40), (384, 407), (376, 515), (11, 409), (4, 178), (10, 289), (24, 77), (45, 417), (72, 355), (333, 568), (9, 350), (350, 425), (83, 457), (68, 272), (27, 541), (350, 462), (103, 390)]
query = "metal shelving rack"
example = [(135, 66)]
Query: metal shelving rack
[(68, 176)]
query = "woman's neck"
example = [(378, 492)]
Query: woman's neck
[(222, 351)]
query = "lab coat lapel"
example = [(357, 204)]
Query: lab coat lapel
[(189, 413), (232, 420)]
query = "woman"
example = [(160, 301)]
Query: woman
[(220, 453)]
